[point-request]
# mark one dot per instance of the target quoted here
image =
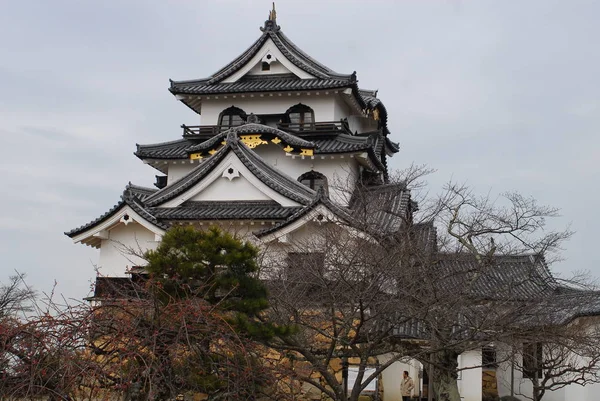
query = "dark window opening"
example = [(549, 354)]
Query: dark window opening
[(161, 181), (488, 357), (265, 66), (532, 360), (314, 180), (300, 117), (232, 117)]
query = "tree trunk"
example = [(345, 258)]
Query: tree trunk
[(444, 376)]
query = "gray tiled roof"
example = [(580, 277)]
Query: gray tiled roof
[(515, 278), (251, 128), (165, 150), (379, 210), (271, 84), (273, 178), (292, 52), (325, 143), (320, 199), (341, 143), (134, 197), (392, 209), (501, 277), (231, 210)]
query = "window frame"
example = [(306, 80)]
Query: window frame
[(532, 360), (312, 176), (229, 113), (302, 110)]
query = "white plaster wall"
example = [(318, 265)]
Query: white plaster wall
[(176, 171), (393, 375), (114, 258), (238, 189), (273, 103), (523, 387), (340, 108), (268, 48), (341, 173), (470, 384), (361, 124)]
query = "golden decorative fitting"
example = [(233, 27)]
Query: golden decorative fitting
[(212, 151), (306, 152), (224, 143), (252, 141), (195, 156), (376, 114), (276, 140), (288, 149)]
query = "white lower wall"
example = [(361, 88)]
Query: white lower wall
[(393, 375), (115, 256), (469, 384)]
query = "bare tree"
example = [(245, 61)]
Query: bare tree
[(371, 279)]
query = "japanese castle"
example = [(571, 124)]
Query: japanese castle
[(283, 140), (284, 143)]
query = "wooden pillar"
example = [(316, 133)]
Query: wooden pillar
[(430, 384)]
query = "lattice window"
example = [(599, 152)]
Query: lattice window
[(232, 116), (314, 180), (300, 116)]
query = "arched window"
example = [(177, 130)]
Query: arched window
[(300, 116), (232, 116), (314, 180)]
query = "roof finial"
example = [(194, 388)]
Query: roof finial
[(271, 23), (273, 14)]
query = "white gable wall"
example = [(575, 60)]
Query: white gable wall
[(114, 257), (276, 68), (228, 188), (268, 48), (238, 189)]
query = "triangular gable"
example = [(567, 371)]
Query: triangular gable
[(230, 180), (272, 42), (277, 61), (130, 209), (234, 158), (321, 210), (123, 215)]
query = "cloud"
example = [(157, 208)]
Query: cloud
[(502, 94)]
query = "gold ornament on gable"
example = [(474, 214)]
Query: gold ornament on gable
[(376, 114), (252, 141)]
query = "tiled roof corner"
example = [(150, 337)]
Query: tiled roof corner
[(133, 196)]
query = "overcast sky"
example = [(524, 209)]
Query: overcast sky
[(504, 95)]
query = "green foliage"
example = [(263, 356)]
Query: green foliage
[(217, 267), (210, 264)]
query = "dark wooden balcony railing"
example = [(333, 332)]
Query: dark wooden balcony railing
[(299, 128), (326, 126), (203, 130)]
